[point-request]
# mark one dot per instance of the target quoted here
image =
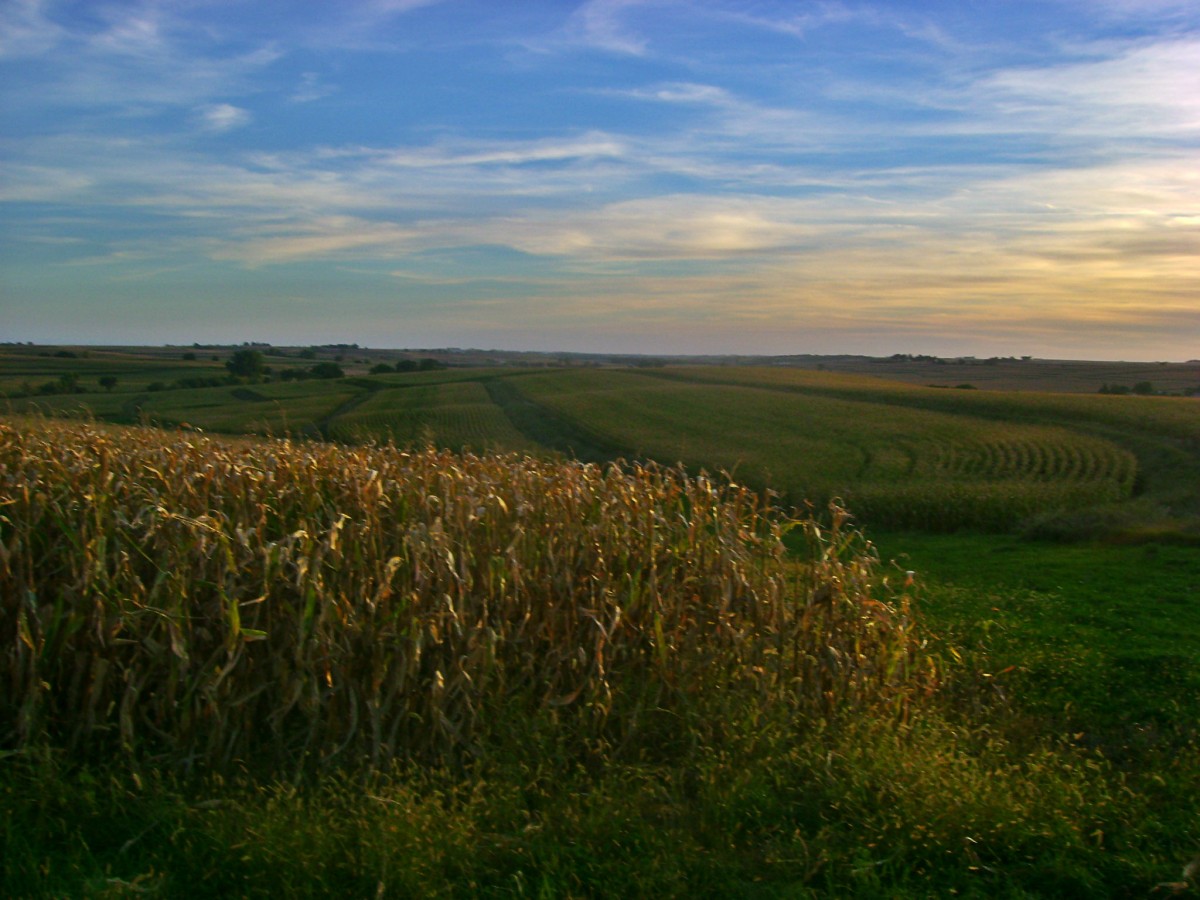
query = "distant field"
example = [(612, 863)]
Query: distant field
[(910, 467), (456, 415), (901, 455), (1168, 416), (1059, 375)]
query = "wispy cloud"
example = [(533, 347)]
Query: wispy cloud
[(320, 238), (602, 24), (311, 88), (683, 92), (589, 146), (218, 117), (1142, 89), (26, 30)]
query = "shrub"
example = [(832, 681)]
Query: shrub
[(326, 370)]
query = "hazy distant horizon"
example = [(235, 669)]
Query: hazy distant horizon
[(720, 177), (558, 351)]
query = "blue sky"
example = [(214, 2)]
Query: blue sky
[(719, 176)]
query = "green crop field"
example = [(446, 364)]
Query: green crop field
[(898, 465), (455, 414), (1170, 416), (900, 455), (361, 662)]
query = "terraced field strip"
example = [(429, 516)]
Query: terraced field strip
[(447, 376), (550, 428), (290, 408), (114, 407), (19, 372), (453, 415), (907, 466), (1176, 417), (284, 408)]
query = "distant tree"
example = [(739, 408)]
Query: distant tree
[(189, 356), (1144, 388), (310, 353), (381, 369), (108, 382), (245, 364), (326, 370)]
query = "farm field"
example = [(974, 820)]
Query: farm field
[(1001, 374), (456, 414), (900, 455), (598, 682), (904, 466)]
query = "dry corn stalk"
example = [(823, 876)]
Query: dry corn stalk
[(193, 601)]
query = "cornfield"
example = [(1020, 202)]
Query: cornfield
[(455, 415), (193, 602), (895, 466)]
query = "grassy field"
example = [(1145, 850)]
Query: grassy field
[(598, 681)]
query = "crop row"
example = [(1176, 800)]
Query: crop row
[(1042, 457), (814, 447), (940, 506), (454, 416), (1175, 417)]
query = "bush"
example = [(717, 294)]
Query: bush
[(246, 364), (326, 370)]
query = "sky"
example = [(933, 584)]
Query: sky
[(986, 178)]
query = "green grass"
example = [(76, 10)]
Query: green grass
[(934, 809), (1101, 641)]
